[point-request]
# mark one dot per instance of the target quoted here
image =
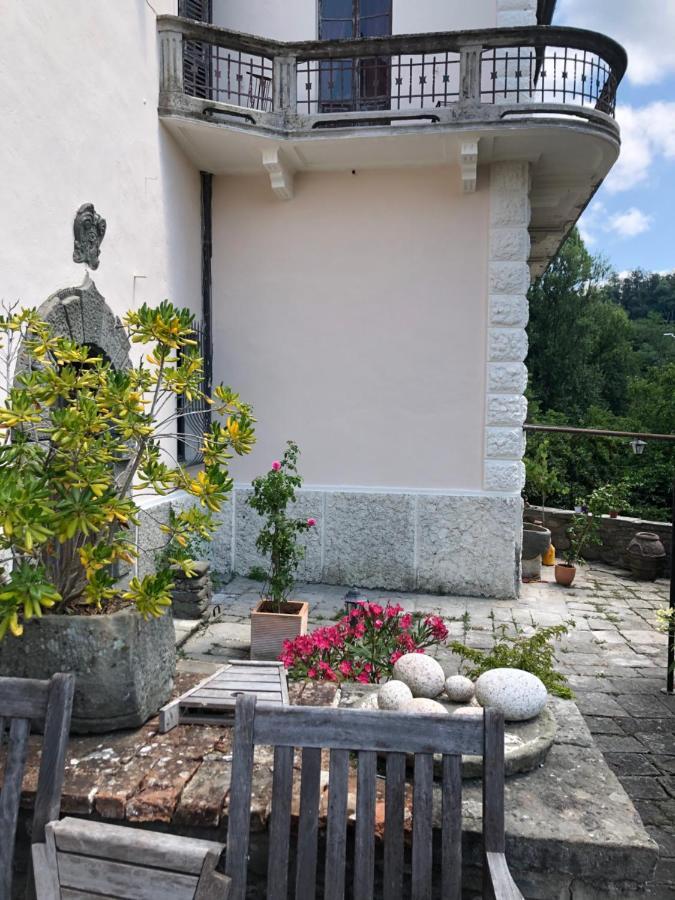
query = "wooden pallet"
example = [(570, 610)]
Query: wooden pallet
[(213, 700)]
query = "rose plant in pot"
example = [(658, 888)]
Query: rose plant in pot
[(278, 618), (79, 447)]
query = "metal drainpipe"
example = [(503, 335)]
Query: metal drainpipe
[(207, 253)]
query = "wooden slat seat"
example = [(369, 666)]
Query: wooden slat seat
[(81, 860), (23, 700), (349, 867)]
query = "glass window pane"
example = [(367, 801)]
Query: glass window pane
[(335, 29), (375, 26), (375, 7), (336, 9)]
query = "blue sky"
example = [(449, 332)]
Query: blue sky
[(631, 221)]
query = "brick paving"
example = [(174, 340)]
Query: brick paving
[(615, 660)]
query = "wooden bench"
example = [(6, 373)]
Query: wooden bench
[(374, 736), (23, 700), (83, 860)]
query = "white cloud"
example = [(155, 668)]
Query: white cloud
[(597, 220), (630, 223), (647, 134), (646, 28)]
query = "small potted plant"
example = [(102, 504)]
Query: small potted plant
[(277, 618), (583, 531)]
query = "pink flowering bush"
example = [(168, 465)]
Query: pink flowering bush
[(363, 645)]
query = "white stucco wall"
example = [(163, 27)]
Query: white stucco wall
[(78, 114), (295, 20), (354, 319)]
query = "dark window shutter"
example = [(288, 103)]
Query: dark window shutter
[(197, 55)]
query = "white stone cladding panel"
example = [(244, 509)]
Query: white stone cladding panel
[(509, 244), (247, 524), (504, 443), (507, 378), (507, 477), (509, 277), (509, 310), (453, 533), (509, 209), (369, 540), (510, 177), (506, 409), (394, 541), (507, 345)]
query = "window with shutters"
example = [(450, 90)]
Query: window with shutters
[(197, 56), (362, 84)]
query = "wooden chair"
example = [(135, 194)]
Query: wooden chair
[(83, 860), (23, 700), (390, 735)]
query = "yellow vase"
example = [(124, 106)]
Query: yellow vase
[(548, 559)]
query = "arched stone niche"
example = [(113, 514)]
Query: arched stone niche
[(82, 314)]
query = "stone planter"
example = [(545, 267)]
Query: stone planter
[(191, 597), (536, 540), (269, 630), (646, 556), (124, 665)]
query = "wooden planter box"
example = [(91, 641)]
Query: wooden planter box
[(269, 630)]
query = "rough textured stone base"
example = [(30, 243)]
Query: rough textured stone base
[(467, 544), (124, 665)]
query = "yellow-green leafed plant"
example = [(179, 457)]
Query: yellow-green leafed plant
[(80, 443)]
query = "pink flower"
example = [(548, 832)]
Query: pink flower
[(378, 624), (276, 465), (345, 667), (311, 523), (406, 621), (376, 609)]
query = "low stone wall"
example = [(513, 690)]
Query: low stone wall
[(616, 534), (463, 544)]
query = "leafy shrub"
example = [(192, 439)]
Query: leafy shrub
[(363, 645), (80, 442), (271, 495), (534, 653)]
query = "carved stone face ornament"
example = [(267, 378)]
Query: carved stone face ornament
[(88, 231)]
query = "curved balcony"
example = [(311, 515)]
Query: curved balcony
[(237, 102), (446, 77)]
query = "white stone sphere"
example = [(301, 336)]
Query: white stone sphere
[(468, 711), (517, 694), (423, 675), (459, 688), (393, 695), (424, 707)]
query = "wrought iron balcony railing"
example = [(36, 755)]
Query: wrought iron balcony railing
[(440, 77)]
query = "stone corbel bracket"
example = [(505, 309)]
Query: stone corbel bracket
[(281, 175), (468, 164)]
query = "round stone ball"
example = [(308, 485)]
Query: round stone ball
[(468, 711), (423, 675), (518, 695), (393, 695), (459, 688), (424, 707)]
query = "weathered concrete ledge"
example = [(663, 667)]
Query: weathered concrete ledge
[(615, 534)]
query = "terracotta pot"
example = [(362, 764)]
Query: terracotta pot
[(270, 629), (646, 556), (565, 574), (614, 514)]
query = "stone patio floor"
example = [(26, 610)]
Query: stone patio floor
[(615, 660)]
